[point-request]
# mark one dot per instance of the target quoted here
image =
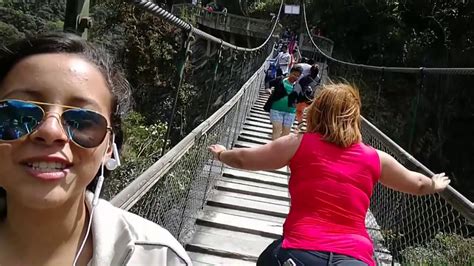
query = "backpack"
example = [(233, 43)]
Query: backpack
[(278, 93), (305, 89)]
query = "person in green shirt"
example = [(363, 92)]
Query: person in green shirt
[(282, 111)]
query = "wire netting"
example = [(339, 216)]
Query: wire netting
[(410, 223), (404, 228), (417, 112), (178, 196)]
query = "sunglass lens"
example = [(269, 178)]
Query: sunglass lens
[(84, 127), (18, 118)]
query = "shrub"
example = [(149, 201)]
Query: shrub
[(142, 148), (444, 249)]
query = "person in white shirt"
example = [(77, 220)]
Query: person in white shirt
[(70, 97), (283, 60)]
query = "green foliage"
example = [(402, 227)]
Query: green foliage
[(410, 34), (26, 18), (9, 33), (141, 149), (444, 249), (149, 49)]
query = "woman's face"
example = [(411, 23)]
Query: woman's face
[(64, 79)]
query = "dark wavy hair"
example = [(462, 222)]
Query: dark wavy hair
[(68, 43)]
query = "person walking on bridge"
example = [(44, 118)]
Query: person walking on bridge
[(281, 103), (333, 174), (305, 89), (283, 61)]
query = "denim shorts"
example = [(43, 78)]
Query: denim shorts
[(286, 119), (275, 255)]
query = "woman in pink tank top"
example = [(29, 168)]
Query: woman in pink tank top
[(332, 177)]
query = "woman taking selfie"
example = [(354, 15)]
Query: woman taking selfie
[(332, 177), (61, 101)]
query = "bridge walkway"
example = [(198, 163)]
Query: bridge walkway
[(247, 209)]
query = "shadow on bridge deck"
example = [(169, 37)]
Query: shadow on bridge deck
[(248, 208)]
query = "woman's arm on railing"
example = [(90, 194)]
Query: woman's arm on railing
[(273, 155), (396, 176)]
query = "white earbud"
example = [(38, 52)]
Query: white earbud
[(113, 163)]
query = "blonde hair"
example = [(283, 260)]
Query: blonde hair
[(335, 114)]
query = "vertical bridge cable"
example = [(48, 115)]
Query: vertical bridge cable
[(379, 91), (229, 80), (214, 78), (186, 52), (415, 109)]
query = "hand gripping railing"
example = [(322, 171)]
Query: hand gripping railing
[(435, 229), (406, 222), (173, 191)]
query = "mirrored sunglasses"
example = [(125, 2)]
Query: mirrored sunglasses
[(84, 127)]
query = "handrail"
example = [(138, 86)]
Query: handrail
[(322, 38), (436, 70), (129, 196), (263, 21), (158, 11)]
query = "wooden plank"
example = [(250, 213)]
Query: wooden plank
[(228, 244), (257, 129), (266, 125), (246, 189), (258, 119), (263, 116), (257, 110), (256, 134), (200, 259), (258, 124), (279, 173), (255, 140), (245, 144), (282, 186), (249, 203), (246, 197), (241, 224), (277, 178), (252, 215)]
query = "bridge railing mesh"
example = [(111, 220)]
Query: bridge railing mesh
[(174, 190), (416, 110), (433, 229)]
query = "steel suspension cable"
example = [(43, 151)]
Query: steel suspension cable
[(458, 71), (160, 12), (186, 51)]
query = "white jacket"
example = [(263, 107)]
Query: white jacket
[(123, 238)]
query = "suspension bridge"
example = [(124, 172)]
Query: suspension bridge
[(226, 216)]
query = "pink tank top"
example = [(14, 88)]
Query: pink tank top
[(330, 190)]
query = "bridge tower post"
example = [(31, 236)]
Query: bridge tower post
[(77, 19)]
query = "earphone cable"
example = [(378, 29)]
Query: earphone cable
[(85, 238), (95, 201)]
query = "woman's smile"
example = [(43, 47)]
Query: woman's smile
[(47, 168)]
